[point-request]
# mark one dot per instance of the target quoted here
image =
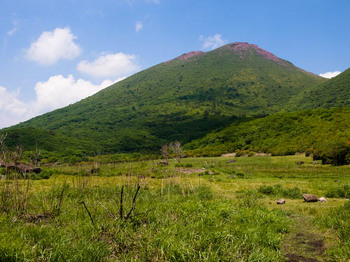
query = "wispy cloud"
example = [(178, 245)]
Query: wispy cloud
[(212, 42), (138, 26), (53, 46), (330, 74), (15, 26)]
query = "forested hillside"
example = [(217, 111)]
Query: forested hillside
[(182, 99)]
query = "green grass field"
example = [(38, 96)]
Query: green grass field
[(204, 209)]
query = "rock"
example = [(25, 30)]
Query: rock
[(310, 198), (22, 168), (300, 163), (336, 181), (165, 163), (281, 201), (322, 199), (231, 161)]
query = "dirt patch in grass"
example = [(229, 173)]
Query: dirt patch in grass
[(304, 243)]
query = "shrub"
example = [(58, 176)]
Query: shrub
[(333, 152), (309, 152), (339, 192), (240, 174), (183, 165), (279, 191), (250, 154)]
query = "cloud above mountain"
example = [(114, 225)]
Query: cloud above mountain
[(330, 74), (53, 46), (58, 91), (110, 65), (212, 42)]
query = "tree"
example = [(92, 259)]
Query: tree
[(35, 157), (335, 152), (178, 151), (165, 152)]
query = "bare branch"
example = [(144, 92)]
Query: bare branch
[(133, 203)]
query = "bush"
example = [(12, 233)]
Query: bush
[(334, 152), (339, 192), (309, 152), (240, 174), (279, 191), (183, 165), (250, 154)]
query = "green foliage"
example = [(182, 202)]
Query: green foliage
[(333, 93), (339, 192), (183, 165), (338, 220), (279, 191), (335, 152), (180, 100), (283, 134), (174, 223)]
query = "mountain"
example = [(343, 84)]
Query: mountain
[(279, 134), (333, 93), (181, 99)]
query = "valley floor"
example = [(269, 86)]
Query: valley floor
[(203, 209)]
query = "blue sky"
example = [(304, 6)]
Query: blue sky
[(53, 53)]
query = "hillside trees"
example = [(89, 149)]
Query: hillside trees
[(335, 152)]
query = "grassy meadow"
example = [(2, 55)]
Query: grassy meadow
[(202, 209)]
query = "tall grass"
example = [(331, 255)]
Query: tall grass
[(338, 220), (174, 223)]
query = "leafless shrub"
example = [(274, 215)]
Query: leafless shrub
[(177, 150), (35, 157), (165, 152)]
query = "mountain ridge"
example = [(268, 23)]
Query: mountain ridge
[(181, 99)]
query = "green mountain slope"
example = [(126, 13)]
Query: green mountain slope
[(333, 93), (279, 134), (182, 99)]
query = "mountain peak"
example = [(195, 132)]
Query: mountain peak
[(243, 48)]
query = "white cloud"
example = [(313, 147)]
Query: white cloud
[(53, 46), (57, 92), (15, 25), (330, 74), (110, 65), (11, 108), (138, 26), (212, 42)]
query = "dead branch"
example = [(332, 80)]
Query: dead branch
[(87, 210), (133, 203), (121, 203), (105, 208)]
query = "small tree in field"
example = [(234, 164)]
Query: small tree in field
[(35, 157), (165, 152), (178, 151)]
